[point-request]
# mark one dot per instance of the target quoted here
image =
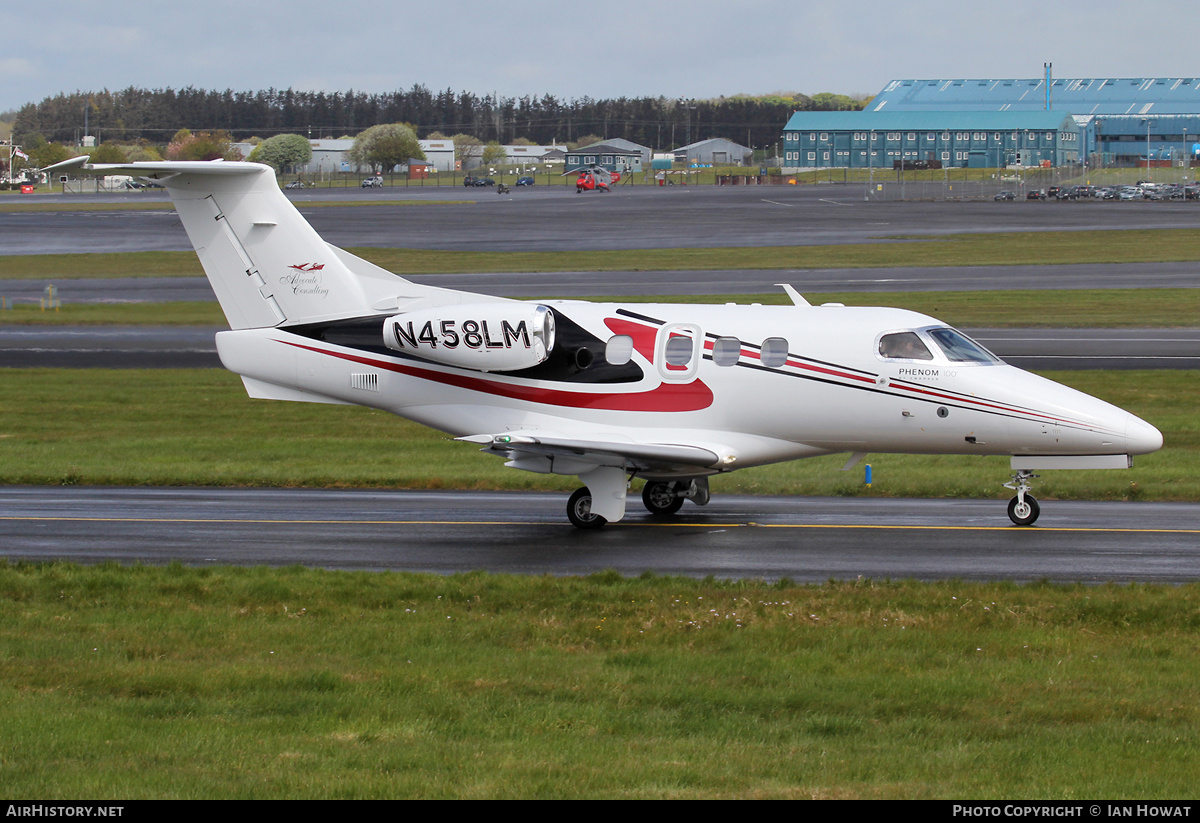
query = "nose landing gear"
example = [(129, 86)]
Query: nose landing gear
[(1022, 509)]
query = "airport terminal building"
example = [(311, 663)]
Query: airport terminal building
[(1113, 121)]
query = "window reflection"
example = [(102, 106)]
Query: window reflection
[(961, 349), (679, 351), (774, 352), (619, 349), (905, 345), (726, 351)]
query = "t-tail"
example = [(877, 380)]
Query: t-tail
[(267, 265)]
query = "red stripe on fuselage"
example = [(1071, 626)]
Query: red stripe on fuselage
[(665, 397)]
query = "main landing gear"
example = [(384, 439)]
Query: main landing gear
[(579, 510), (661, 498), (1022, 509)]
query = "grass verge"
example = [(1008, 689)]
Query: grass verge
[(197, 427), (126, 683)]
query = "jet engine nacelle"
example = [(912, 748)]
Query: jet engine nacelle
[(486, 336)]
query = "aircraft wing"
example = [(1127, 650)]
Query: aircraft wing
[(526, 451)]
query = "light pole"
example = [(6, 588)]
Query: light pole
[(1185, 155), (870, 165), (1148, 123)]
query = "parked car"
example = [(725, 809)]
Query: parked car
[(372, 183), (1005, 195), (524, 181), (468, 181), (484, 181), (1053, 191), (1036, 194), (295, 184)]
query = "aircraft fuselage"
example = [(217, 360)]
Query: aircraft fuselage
[(758, 383)]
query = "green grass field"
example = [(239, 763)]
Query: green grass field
[(135, 682), (197, 427)]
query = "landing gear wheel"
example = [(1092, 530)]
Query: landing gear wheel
[(579, 510), (661, 498), (1023, 512)]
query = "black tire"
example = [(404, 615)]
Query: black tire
[(1025, 515), (579, 510), (660, 498)]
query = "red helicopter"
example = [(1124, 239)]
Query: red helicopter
[(595, 178)]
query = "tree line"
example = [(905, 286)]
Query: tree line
[(154, 116)]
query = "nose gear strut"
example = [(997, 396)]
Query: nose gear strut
[(1022, 509)]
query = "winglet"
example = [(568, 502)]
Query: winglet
[(74, 162), (797, 299)]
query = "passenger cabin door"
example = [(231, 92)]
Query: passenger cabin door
[(678, 351)]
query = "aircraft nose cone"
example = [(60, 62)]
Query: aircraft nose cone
[(1141, 437)]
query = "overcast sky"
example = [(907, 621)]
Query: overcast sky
[(637, 48)]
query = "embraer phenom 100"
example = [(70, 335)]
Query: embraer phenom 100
[(673, 394)]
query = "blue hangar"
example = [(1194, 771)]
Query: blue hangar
[(941, 139), (1115, 121)]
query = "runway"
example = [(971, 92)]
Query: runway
[(805, 539), (632, 217)]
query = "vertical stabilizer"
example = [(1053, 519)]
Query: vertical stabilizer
[(266, 264)]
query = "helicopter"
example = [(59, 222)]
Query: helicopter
[(595, 178)]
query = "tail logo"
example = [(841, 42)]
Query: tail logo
[(306, 278)]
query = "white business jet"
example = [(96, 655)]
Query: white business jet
[(673, 394)]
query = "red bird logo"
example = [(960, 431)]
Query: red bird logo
[(308, 266)]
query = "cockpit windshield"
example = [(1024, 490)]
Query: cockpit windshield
[(959, 348)]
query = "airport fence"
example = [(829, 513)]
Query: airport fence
[(978, 184)]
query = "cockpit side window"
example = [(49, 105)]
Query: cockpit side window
[(959, 348), (904, 345)]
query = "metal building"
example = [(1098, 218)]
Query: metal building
[(934, 139), (715, 152), (1124, 121)]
